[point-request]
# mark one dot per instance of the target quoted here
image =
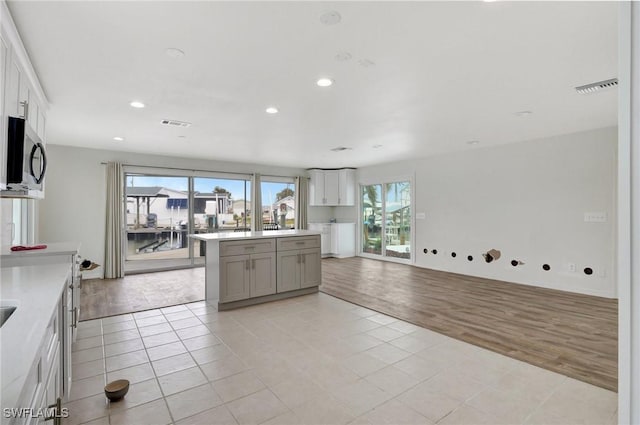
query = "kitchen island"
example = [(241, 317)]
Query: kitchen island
[(245, 268)]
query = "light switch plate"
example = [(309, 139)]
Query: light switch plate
[(421, 216)]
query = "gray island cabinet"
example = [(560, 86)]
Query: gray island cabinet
[(244, 268)]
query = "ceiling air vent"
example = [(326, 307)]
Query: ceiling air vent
[(600, 85), (340, 149), (175, 123)]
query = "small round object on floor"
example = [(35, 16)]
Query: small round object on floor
[(434, 251), (588, 271), (116, 390), (470, 257), (453, 254), (546, 267)]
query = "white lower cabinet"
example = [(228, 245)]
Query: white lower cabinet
[(45, 385), (337, 239)]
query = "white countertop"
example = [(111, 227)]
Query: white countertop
[(53, 248), (230, 236), (36, 291)]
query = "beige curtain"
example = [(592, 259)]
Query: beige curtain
[(257, 203), (113, 250), (302, 201)]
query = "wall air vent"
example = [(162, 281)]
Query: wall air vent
[(600, 85), (340, 149), (175, 123)]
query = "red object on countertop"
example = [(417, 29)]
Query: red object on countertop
[(27, 247)]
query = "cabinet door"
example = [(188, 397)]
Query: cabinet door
[(310, 268), (331, 189), (335, 239), (263, 274), (347, 187), (235, 278), (316, 188), (12, 93), (288, 271), (326, 238), (4, 55)]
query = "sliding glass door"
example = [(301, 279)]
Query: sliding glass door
[(162, 210), (157, 215), (386, 219)]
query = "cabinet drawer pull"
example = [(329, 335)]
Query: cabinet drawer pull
[(248, 248), (300, 243), (298, 255), (253, 264), (246, 264)]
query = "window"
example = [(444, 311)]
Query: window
[(278, 203), (163, 210)]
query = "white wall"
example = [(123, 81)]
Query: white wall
[(74, 208), (527, 200)]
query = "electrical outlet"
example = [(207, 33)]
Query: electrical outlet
[(571, 267), (595, 217)]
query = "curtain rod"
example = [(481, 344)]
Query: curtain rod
[(190, 169)]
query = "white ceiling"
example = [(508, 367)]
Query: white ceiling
[(444, 74)]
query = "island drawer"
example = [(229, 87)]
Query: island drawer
[(253, 246), (298, 242)]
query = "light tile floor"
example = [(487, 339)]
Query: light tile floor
[(309, 360)]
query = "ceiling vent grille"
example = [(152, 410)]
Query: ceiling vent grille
[(176, 123), (600, 85)]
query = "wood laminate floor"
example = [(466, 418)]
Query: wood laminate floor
[(572, 334), (109, 297)]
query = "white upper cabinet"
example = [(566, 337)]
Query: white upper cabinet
[(20, 94), (332, 188), (4, 59), (347, 187)]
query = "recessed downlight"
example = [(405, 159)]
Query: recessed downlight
[(324, 82), (271, 110), (173, 52), (524, 113), (118, 139), (473, 142), (330, 18), (136, 104), (343, 56)]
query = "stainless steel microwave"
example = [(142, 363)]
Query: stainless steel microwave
[(26, 157)]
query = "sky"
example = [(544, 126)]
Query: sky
[(236, 187)]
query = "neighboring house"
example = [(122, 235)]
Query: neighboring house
[(289, 205)]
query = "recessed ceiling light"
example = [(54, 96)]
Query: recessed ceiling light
[(271, 110), (118, 139), (136, 104), (330, 18), (473, 142), (523, 113), (343, 56), (324, 82), (172, 52)]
